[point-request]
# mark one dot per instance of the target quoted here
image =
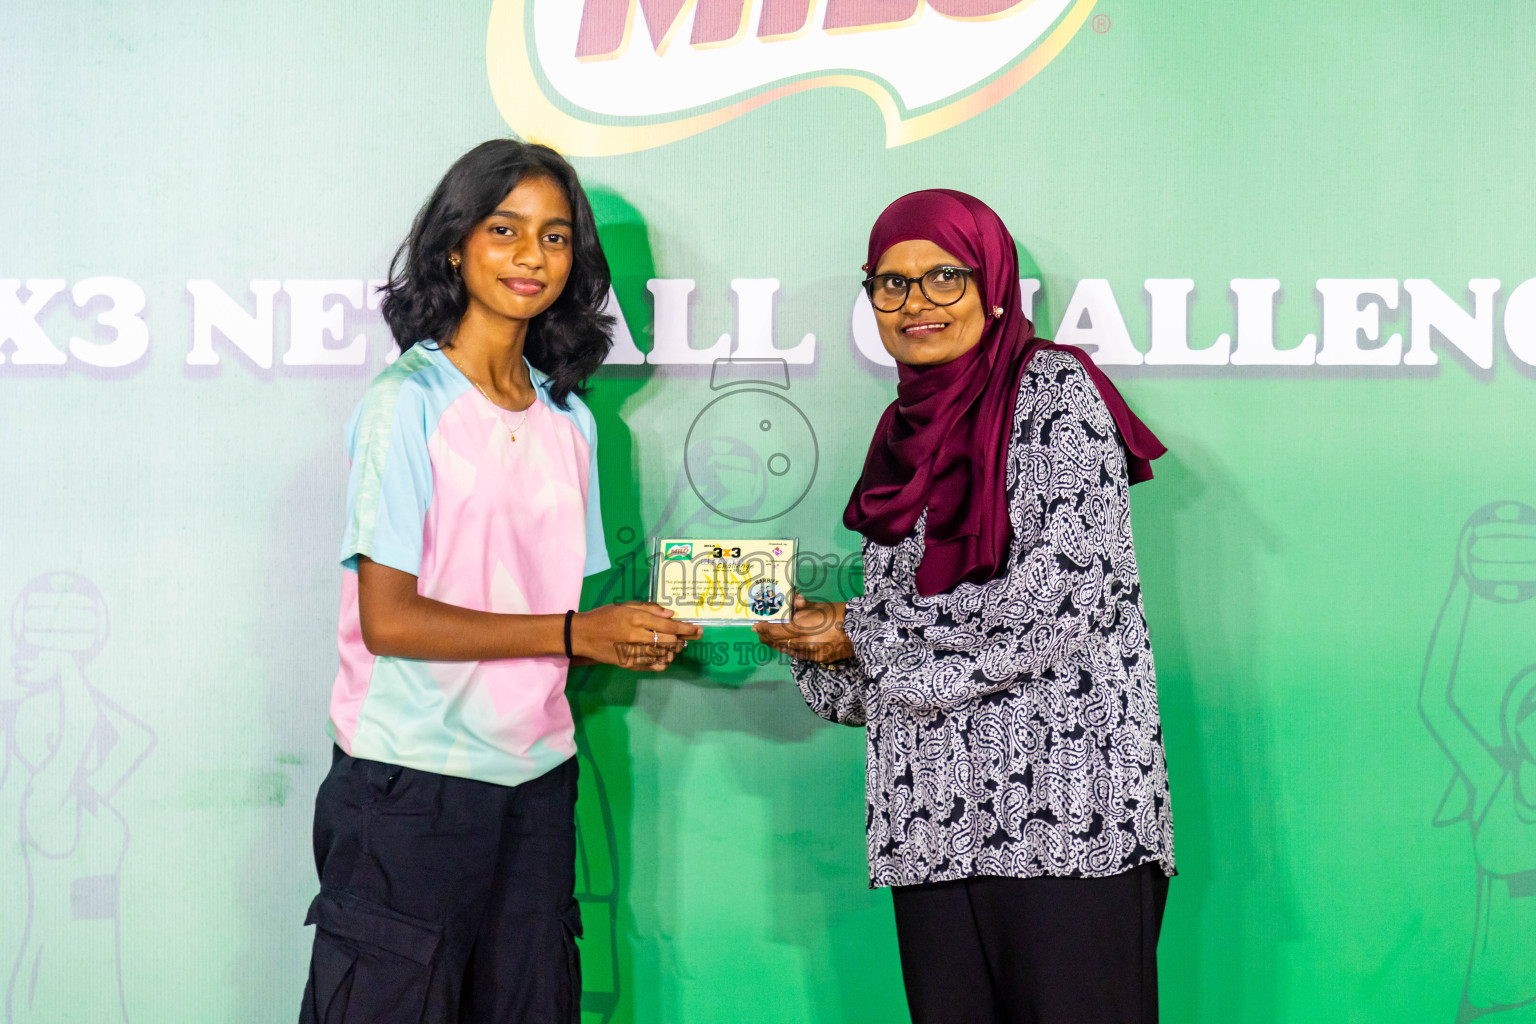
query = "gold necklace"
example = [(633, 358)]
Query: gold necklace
[(511, 430)]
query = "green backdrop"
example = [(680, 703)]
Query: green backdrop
[(1336, 556)]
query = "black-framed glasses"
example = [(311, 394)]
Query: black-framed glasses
[(942, 286)]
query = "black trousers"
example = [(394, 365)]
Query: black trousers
[(443, 900), (1032, 950)]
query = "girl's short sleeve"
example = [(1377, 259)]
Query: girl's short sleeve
[(390, 485)]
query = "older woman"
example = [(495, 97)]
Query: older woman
[(999, 659)]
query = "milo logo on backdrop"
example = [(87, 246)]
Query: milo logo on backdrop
[(602, 77)]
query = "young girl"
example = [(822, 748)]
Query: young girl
[(444, 833)]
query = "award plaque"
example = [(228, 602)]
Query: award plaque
[(717, 582)]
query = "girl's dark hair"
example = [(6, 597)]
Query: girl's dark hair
[(425, 298)]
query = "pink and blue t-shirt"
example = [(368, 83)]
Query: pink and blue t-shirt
[(440, 489)]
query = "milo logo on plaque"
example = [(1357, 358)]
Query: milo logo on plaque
[(603, 77), (676, 552)]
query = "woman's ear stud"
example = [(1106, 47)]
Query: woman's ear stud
[(453, 261)]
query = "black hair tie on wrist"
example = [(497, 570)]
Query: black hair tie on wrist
[(568, 617)]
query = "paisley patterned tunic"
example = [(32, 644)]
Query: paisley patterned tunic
[(1012, 726)]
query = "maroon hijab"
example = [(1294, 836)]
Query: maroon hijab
[(943, 444)]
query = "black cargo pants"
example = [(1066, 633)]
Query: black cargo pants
[(443, 900)]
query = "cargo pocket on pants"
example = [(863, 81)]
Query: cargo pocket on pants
[(570, 931), (371, 965)]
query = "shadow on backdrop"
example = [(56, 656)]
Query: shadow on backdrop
[(749, 458), (601, 862), (1232, 907)]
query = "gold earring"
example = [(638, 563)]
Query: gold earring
[(453, 261)]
